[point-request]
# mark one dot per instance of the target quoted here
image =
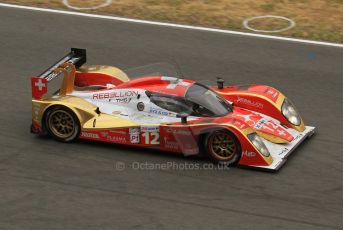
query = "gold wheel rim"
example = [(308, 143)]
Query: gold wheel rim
[(61, 124), (222, 146)]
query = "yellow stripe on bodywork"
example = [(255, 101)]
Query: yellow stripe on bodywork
[(277, 104), (83, 109), (85, 112), (272, 138), (105, 121)]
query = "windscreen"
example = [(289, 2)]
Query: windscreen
[(207, 102)]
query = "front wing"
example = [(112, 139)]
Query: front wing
[(280, 152)]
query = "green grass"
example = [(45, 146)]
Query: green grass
[(315, 19)]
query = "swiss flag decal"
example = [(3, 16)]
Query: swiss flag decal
[(39, 87)]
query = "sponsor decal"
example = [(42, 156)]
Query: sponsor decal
[(116, 94), (172, 145), (111, 138), (273, 93), (90, 135), (134, 130), (183, 145), (118, 132), (39, 87), (298, 136), (150, 129), (179, 131), (160, 112), (116, 139), (259, 124), (285, 150), (249, 102), (249, 154), (51, 76), (134, 135), (125, 100)]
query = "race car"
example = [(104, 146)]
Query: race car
[(250, 125)]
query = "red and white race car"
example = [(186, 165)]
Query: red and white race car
[(252, 125)]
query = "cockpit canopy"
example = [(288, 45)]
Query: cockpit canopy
[(199, 101)]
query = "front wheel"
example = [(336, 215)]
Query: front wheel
[(62, 124), (223, 147)]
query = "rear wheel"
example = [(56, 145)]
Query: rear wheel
[(223, 147), (62, 124)]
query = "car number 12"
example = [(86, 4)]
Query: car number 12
[(151, 138)]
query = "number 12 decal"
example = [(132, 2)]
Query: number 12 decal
[(151, 138)]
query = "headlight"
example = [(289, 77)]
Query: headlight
[(289, 111), (258, 143)]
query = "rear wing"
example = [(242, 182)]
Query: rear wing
[(39, 84)]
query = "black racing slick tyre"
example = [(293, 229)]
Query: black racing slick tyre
[(223, 147), (62, 124)]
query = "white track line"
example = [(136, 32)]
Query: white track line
[(199, 28)]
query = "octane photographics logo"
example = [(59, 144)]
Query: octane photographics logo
[(119, 166), (169, 165)]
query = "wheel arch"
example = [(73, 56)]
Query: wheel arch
[(82, 114), (52, 106), (206, 138), (208, 130)]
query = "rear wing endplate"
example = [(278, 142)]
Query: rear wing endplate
[(39, 84)]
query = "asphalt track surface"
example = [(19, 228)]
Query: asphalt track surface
[(49, 185)]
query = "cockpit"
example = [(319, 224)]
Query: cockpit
[(199, 101)]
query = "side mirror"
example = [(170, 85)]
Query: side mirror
[(183, 117), (220, 83)]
